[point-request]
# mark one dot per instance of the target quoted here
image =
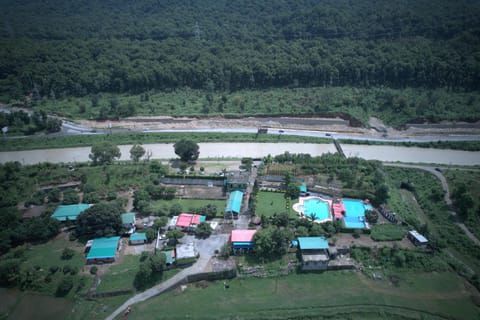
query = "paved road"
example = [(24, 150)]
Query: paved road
[(206, 249), (447, 198)]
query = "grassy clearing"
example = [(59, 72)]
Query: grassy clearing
[(269, 203), (45, 256), (303, 295), (189, 204), (121, 276), (471, 179), (387, 232), (95, 309)]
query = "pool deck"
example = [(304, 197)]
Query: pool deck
[(301, 201)]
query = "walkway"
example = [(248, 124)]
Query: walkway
[(206, 249), (447, 198)]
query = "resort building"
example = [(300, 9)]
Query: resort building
[(314, 253), (417, 238), (242, 240), (69, 212), (234, 205), (189, 222), (103, 250), (138, 238), (170, 257), (128, 221)]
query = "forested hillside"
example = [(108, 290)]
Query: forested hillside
[(60, 48)]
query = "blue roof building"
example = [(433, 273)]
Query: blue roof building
[(234, 204), (314, 252), (103, 250), (138, 238), (69, 212)]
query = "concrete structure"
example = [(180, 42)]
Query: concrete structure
[(186, 251), (103, 250), (234, 205), (417, 238), (69, 212), (242, 240), (314, 252), (138, 238), (188, 222)]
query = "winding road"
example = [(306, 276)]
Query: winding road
[(437, 173)]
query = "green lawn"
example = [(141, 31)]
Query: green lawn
[(188, 204), (269, 203), (44, 256), (121, 276), (338, 295), (387, 232)]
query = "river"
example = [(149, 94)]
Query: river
[(258, 150)]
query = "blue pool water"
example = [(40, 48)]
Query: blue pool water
[(355, 208), (355, 213), (317, 207)]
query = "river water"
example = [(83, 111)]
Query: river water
[(257, 150)]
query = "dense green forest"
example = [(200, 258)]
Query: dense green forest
[(55, 49)]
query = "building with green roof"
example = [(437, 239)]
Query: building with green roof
[(314, 251), (234, 204), (128, 221), (69, 212), (103, 250), (138, 238)]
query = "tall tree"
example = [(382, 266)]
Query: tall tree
[(104, 153), (100, 220), (187, 150), (136, 152)]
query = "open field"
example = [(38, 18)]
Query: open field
[(188, 204), (433, 296), (269, 203)]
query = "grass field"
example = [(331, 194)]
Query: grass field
[(121, 276), (269, 203), (387, 232), (319, 295), (188, 204)]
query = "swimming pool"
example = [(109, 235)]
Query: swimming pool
[(355, 213), (355, 208), (314, 206)]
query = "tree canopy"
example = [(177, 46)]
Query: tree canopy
[(100, 220), (136, 152), (104, 153), (187, 150)]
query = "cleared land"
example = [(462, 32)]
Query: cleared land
[(317, 295)]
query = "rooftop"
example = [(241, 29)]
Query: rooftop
[(418, 236), (186, 220), (312, 243), (170, 256), (69, 212), (138, 237), (235, 201), (103, 248), (242, 235), (128, 218)]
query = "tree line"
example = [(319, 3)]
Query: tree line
[(51, 49)]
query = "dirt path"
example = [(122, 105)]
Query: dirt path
[(447, 198)]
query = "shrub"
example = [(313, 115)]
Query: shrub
[(67, 254), (65, 285), (93, 270)]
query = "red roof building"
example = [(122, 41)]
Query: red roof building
[(242, 239), (187, 220), (338, 210)]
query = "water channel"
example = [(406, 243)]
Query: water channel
[(258, 150)]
